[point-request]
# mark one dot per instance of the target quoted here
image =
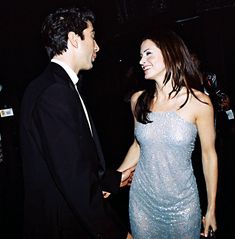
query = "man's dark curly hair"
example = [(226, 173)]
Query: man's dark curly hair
[(57, 25)]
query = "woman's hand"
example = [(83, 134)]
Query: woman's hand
[(209, 221), (129, 236), (127, 176)]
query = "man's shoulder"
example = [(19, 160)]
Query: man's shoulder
[(37, 86), (44, 80)]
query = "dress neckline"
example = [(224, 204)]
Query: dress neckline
[(174, 113)]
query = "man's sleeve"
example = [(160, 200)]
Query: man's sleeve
[(111, 181), (72, 164)]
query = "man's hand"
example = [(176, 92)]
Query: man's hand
[(106, 194), (125, 180), (127, 176)]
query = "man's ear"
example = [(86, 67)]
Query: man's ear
[(74, 39)]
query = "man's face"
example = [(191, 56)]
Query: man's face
[(88, 48)]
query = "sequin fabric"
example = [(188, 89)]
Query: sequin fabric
[(164, 201)]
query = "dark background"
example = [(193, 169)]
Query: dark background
[(207, 28)]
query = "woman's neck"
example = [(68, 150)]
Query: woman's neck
[(163, 91)]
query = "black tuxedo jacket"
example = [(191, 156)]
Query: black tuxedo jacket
[(63, 166)]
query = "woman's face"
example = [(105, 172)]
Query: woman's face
[(152, 61)]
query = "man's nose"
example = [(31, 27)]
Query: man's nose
[(96, 48)]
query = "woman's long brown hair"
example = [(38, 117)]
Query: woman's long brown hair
[(180, 68)]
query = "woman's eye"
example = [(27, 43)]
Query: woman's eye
[(148, 53)]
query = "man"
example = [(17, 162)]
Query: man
[(64, 171)]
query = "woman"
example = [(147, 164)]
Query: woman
[(169, 113)]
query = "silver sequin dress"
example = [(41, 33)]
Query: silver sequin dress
[(164, 201)]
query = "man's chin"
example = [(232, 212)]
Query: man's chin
[(88, 67), (91, 63), (91, 66)]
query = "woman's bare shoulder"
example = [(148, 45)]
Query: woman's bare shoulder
[(135, 96), (201, 105), (134, 99), (201, 98)]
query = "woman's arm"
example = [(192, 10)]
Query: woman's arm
[(206, 130), (129, 163), (131, 158)]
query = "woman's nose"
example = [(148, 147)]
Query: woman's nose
[(142, 61)]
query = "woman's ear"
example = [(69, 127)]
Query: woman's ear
[(74, 39)]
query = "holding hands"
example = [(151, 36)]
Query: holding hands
[(125, 180), (128, 166), (127, 176)]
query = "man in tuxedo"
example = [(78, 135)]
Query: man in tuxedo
[(63, 166)]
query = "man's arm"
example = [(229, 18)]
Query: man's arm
[(73, 162)]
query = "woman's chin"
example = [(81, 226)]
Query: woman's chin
[(148, 77)]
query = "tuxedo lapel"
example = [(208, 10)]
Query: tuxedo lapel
[(98, 146), (63, 75)]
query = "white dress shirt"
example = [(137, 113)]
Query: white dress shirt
[(73, 76)]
